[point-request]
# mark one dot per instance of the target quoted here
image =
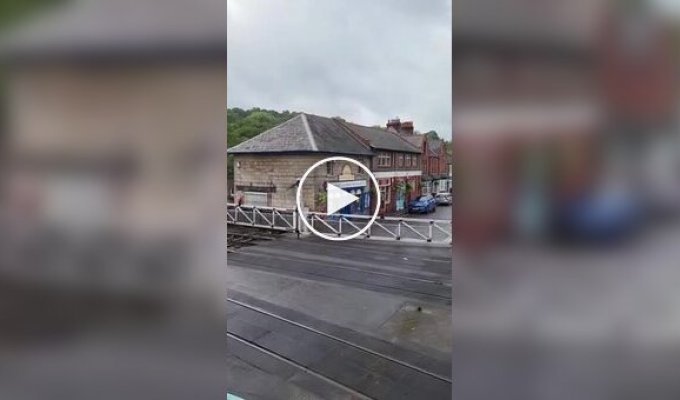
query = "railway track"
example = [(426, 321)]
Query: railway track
[(420, 287), (293, 352), (238, 237), (356, 366)]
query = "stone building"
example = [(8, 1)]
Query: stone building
[(115, 124), (268, 167)]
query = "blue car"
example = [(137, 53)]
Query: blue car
[(600, 216), (423, 204)]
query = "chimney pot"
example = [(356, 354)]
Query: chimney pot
[(407, 127), (394, 124)]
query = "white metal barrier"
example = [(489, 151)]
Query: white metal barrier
[(390, 228), (263, 217)]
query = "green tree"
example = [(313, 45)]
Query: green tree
[(245, 124), (13, 12), (321, 199)]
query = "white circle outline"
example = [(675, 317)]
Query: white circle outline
[(304, 217)]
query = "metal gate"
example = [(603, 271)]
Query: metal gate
[(386, 228)]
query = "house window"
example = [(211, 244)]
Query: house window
[(408, 160), (384, 191), (415, 161), (385, 194), (384, 160), (400, 160), (329, 168), (425, 189)]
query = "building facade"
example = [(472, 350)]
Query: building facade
[(110, 137), (434, 176), (396, 164), (436, 170), (268, 167), (546, 121), (95, 131), (271, 180)]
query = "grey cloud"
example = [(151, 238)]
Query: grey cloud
[(363, 60)]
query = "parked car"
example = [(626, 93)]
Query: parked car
[(600, 216), (443, 198), (423, 204)]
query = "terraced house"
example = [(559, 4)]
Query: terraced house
[(436, 174), (268, 167)]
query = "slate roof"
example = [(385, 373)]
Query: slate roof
[(415, 139), (112, 28), (307, 133), (304, 133), (331, 136), (382, 139)]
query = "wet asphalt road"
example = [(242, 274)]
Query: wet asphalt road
[(440, 213)]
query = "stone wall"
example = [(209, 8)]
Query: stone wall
[(275, 174), (161, 123), (278, 176)]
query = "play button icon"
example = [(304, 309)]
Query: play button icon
[(355, 176), (338, 199)]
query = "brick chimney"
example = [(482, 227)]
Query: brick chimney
[(407, 127), (394, 124)]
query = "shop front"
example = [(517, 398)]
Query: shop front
[(397, 192), (358, 188), (400, 198), (405, 190), (386, 200)]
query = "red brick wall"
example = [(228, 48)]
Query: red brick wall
[(638, 81), (443, 163)]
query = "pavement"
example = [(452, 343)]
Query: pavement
[(313, 319)]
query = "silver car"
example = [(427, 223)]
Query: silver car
[(443, 198)]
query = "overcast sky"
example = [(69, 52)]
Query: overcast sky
[(365, 61), (672, 6)]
